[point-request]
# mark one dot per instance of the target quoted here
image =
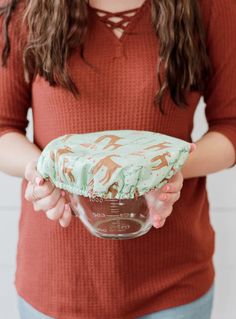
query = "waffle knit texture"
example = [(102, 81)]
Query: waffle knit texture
[(68, 273)]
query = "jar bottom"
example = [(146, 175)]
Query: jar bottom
[(113, 218), (113, 229)]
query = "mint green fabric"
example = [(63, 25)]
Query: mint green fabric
[(112, 164)]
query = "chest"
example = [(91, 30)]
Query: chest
[(117, 81), (114, 67), (128, 60)]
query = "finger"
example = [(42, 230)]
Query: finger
[(174, 185), (34, 192), (151, 197), (66, 217), (171, 188), (29, 192), (35, 207), (48, 202), (163, 203), (158, 216), (56, 212), (43, 191), (32, 175), (176, 177), (159, 224), (169, 198)]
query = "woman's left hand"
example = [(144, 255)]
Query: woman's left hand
[(160, 202)]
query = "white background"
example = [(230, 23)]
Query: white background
[(222, 194)]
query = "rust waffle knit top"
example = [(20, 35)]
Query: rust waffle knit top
[(68, 273)]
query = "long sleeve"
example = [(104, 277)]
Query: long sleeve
[(220, 96), (15, 93)]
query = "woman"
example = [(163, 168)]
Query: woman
[(102, 65)]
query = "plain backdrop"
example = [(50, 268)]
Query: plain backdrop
[(222, 194)]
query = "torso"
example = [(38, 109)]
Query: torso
[(119, 86), (89, 276)]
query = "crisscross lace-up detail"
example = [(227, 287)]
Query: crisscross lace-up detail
[(117, 20)]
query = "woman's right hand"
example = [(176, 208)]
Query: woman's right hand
[(46, 197)]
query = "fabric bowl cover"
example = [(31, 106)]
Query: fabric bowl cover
[(112, 164)]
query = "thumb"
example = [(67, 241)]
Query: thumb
[(192, 147), (32, 175)]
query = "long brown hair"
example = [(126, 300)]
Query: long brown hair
[(55, 27)]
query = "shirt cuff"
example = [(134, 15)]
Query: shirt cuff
[(5, 130), (227, 131)]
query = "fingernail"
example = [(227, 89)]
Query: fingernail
[(63, 193), (157, 225), (167, 188), (39, 181), (193, 147)]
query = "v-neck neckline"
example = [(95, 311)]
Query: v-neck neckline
[(128, 28)]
